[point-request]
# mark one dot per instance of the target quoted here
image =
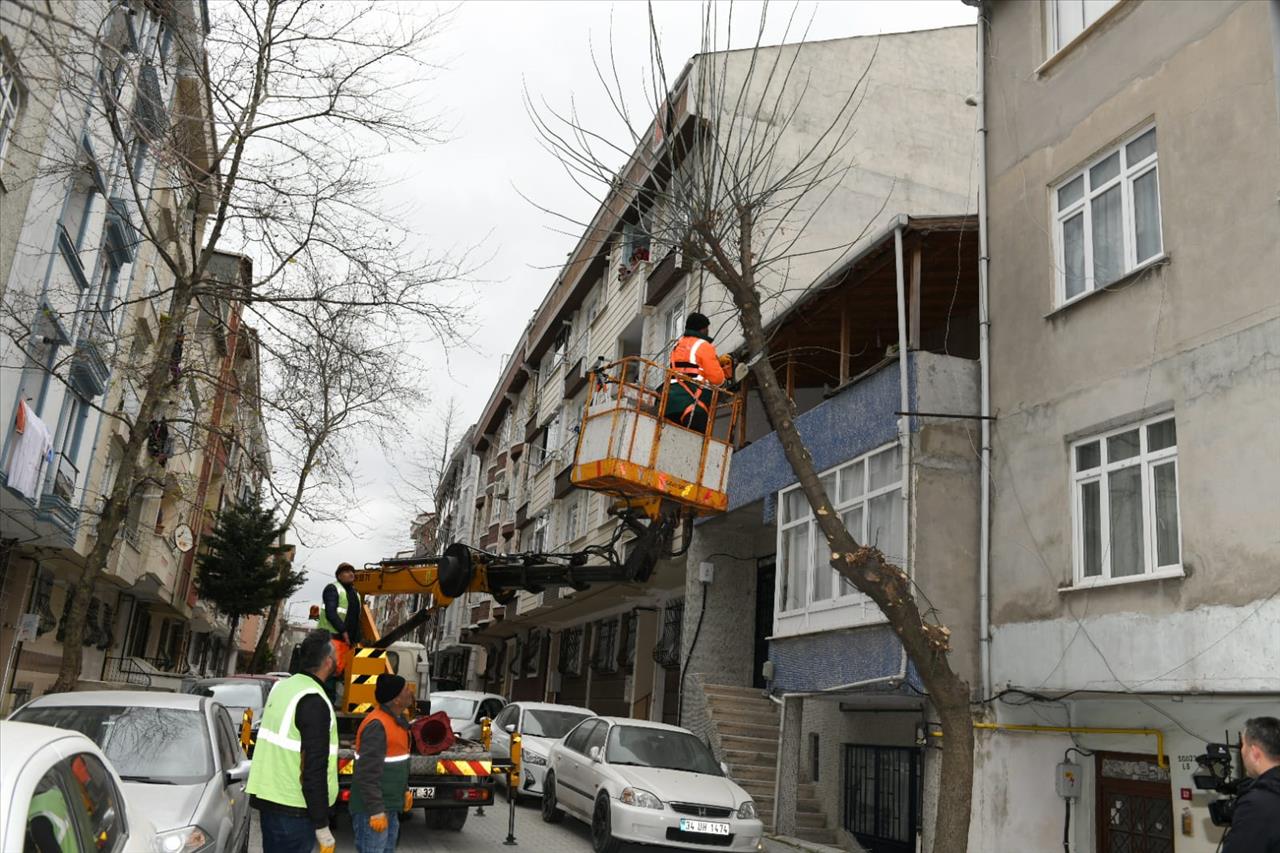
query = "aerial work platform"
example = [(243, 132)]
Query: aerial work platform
[(627, 448)]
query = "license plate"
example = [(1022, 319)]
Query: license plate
[(706, 827), (424, 793)]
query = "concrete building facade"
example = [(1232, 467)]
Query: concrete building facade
[(1133, 156)]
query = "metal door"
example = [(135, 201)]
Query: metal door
[(882, 796), (1135, 805)]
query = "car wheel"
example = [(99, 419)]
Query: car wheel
[(602, 840), (550, 814), (457, 819)]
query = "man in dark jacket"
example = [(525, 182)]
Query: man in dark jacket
[(294, 778), (380, 788), (1255, 825), (340, 616)]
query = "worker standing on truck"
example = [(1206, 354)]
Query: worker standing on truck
[(694, 356), (294, 777), (340, 616), (380, 789)]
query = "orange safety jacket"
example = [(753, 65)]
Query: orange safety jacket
[(696, 358), (395, 764)]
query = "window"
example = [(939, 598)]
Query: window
[(571, 651), (573, 518), (867, 493), (228, 746), (675, 322), (577, 739), (591, 310), (10, 99), (1107, 219), (539, 543), (815, 757), (1125, 503), (605, 658), (75, 213), (506, 718), (1069, 18)]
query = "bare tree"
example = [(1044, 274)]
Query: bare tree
[(276, 109), (737, 191), (331, 390)]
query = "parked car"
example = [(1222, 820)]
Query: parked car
[(647, 783), (237, 694), (58, 792), (540, 725), (466, 708), (177, 756)]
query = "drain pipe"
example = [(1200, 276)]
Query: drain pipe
[(904, 394), (984, 367)]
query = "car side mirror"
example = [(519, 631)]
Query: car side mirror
[(239, 773), (594, 753), (510, 728), (724, 768)]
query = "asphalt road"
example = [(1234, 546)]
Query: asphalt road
[(480, 835)]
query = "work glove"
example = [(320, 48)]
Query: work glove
[(408, 801), (378, 823), (328, 844)]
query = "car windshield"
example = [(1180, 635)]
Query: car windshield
[(642, 746), (235, 695), (455, 706), (164, 746), (550, 724)]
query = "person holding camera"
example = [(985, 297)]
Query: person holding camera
[(1255, 823)]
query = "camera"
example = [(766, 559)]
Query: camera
[(1216, 771)]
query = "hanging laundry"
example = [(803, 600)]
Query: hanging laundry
[(32, 448)]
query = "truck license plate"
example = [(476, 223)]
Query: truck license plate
[(424, 793), (706, 827)]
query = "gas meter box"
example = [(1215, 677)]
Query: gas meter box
[(1068, 780)]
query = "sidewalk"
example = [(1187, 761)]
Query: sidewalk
[(787, 844)]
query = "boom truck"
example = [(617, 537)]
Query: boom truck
[(661, 474)]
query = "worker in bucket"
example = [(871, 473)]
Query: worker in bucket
[(695, 358), (380, 789), (340, 616)]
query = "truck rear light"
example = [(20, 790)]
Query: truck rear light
[(470, 794), (345, 794)]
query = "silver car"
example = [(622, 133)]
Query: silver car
[(177, 754), (647, 783), (540, 725)]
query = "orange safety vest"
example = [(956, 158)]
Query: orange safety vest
[(397, 735), (695, 358)]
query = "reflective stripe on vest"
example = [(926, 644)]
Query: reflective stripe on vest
[(684, 358), (276, 771), (323, 621), (52, 806)]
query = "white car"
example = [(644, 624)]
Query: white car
[(177, 755), (638, 782), (466, 708), (540, 724), (59, 793)]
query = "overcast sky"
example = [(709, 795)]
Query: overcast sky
[(467, 191)]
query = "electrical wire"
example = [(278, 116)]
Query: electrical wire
[(684, 669)]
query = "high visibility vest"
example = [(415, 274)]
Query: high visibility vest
[(52, 806), (395, 769), (323, 621), (276, 772), (684, 358)]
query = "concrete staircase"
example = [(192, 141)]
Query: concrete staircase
[(747, 731)]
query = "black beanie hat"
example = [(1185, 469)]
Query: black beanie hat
[(696, 322), (388, 687)]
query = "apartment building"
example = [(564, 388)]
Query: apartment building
[(888, 325), (1133, 158), (83, 300)]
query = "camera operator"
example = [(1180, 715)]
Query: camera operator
[(1255, 825)]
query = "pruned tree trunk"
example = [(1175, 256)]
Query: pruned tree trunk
[(926, 644)]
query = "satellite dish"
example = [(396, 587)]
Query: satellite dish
[(183, 538)]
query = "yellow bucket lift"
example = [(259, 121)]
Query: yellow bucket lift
[(628, 449)]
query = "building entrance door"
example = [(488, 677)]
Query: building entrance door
[(1135, 806), (766, 575), (882, 796)]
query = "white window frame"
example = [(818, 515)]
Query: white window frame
[(539, 542), (1052, 9), (1147, 460), (1125, 178), (12, 95), (801, 619), (675, 322), (573, 518)]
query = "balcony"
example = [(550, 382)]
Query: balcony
[(663, 278), (89, 370), (856, 419)]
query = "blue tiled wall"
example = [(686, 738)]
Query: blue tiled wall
[(858, 419), (834, 658)]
